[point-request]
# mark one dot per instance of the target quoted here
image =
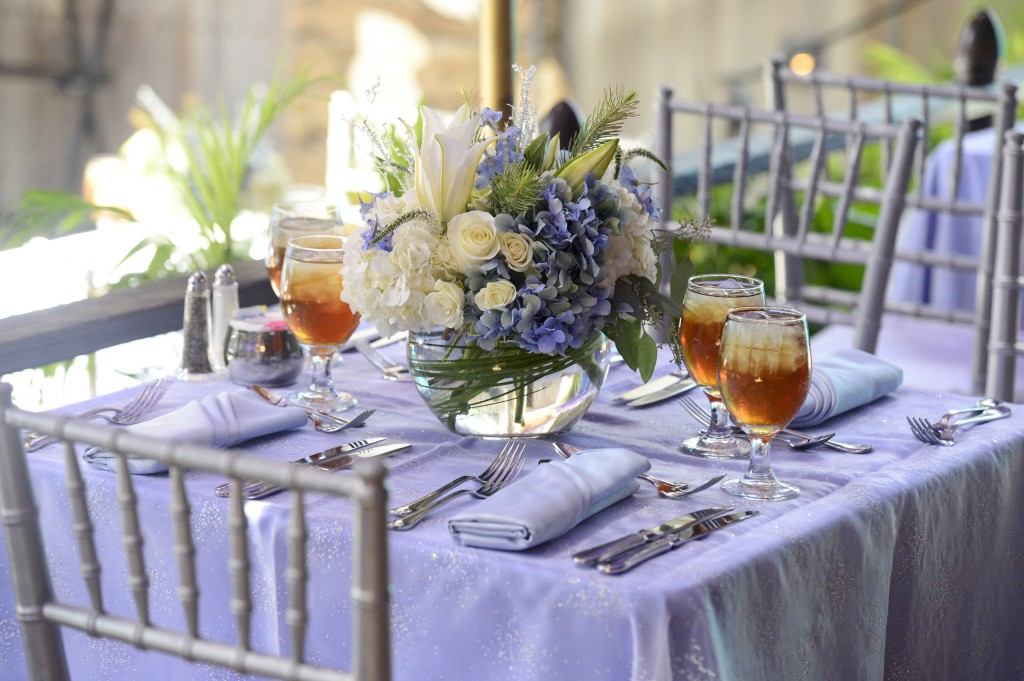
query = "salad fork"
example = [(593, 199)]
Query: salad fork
[(507, 471), (137, 407), (935, 434)]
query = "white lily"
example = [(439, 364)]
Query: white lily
[(446, 161)]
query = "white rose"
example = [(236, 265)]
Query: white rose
[(444, 305), (496, 294), (473, 238), (518, 250)]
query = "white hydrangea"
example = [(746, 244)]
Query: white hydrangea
[(391, 288), (632, 251)]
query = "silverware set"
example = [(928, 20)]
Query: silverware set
[(500, 473), (794, 439), (625, 553), (325, 421), (139, 406), (942, 431)]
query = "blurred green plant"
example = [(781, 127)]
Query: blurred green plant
[(208, 158)]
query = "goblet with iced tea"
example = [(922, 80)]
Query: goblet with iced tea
[(296, 218), (707, 302), (764, 372), (311, 285)]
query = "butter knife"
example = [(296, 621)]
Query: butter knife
[(594, 555), (654, 386), (264, 489), (318, 458), (632, 557), (664, 394)]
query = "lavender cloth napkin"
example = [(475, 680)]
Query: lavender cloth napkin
[(221, 420), (845, 380), (550, 500)]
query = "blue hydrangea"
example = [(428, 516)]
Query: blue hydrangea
[(365, 208), (641, 190)]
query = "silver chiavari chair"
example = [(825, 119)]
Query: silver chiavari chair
[(938, 107), (792, 163), (1005, 343), (42, 615)]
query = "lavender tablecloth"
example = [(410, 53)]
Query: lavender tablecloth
[(902, 564)]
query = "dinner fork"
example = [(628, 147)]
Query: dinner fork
[(482, 478), (929, 434), (390, 371), (507, 471), (137, 407)]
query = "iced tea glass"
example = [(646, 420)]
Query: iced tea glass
[(311, 287), (297, 218), (764, 372), (706, 303)]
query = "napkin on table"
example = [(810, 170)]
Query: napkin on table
[(844, 380), (550, 500), (221, 420)]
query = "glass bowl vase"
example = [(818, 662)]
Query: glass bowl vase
[(507, 391)]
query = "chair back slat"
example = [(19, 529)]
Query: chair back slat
[(739, 178), (1005, 339), (817, 171), (131, 538), (239, 566), (296, 576), (41, 614), (82, 528), (184, 550)]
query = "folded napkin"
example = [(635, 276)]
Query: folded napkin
[(221, 420), (550, 500), (844, 380)]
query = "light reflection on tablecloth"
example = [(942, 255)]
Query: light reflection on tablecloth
[(867, 575)]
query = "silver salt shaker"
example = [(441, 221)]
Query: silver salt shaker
[(195, 353), (224, 304)]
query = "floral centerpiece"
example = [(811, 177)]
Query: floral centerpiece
[(511, 261)]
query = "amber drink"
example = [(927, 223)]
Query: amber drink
[(311, 285), (297, 218), (764, 373), (706, 304)]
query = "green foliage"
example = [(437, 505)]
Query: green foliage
[(218, 151), (606, 121), (51, 214), (516, 190)]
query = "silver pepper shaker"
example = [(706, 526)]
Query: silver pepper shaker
[(195, 353), (224, 302)]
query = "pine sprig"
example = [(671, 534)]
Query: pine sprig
[(605, 123), (516, 190)]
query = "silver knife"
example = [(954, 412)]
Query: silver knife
[(605, 551), (320, 457), (264, 489), (664, 394), (654, 386), (633, 557)]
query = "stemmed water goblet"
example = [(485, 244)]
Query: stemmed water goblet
[(706, 303), (295, 218), (764, 373), (311, 285)]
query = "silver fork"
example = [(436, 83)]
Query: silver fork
[(663, 486), (509, 467), (792, 439), (482, 478), (137, 407), (389, 370), (930, 434)]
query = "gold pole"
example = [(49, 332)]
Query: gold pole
[(496, 55)]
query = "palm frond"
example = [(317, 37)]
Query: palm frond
[(50, 214)]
